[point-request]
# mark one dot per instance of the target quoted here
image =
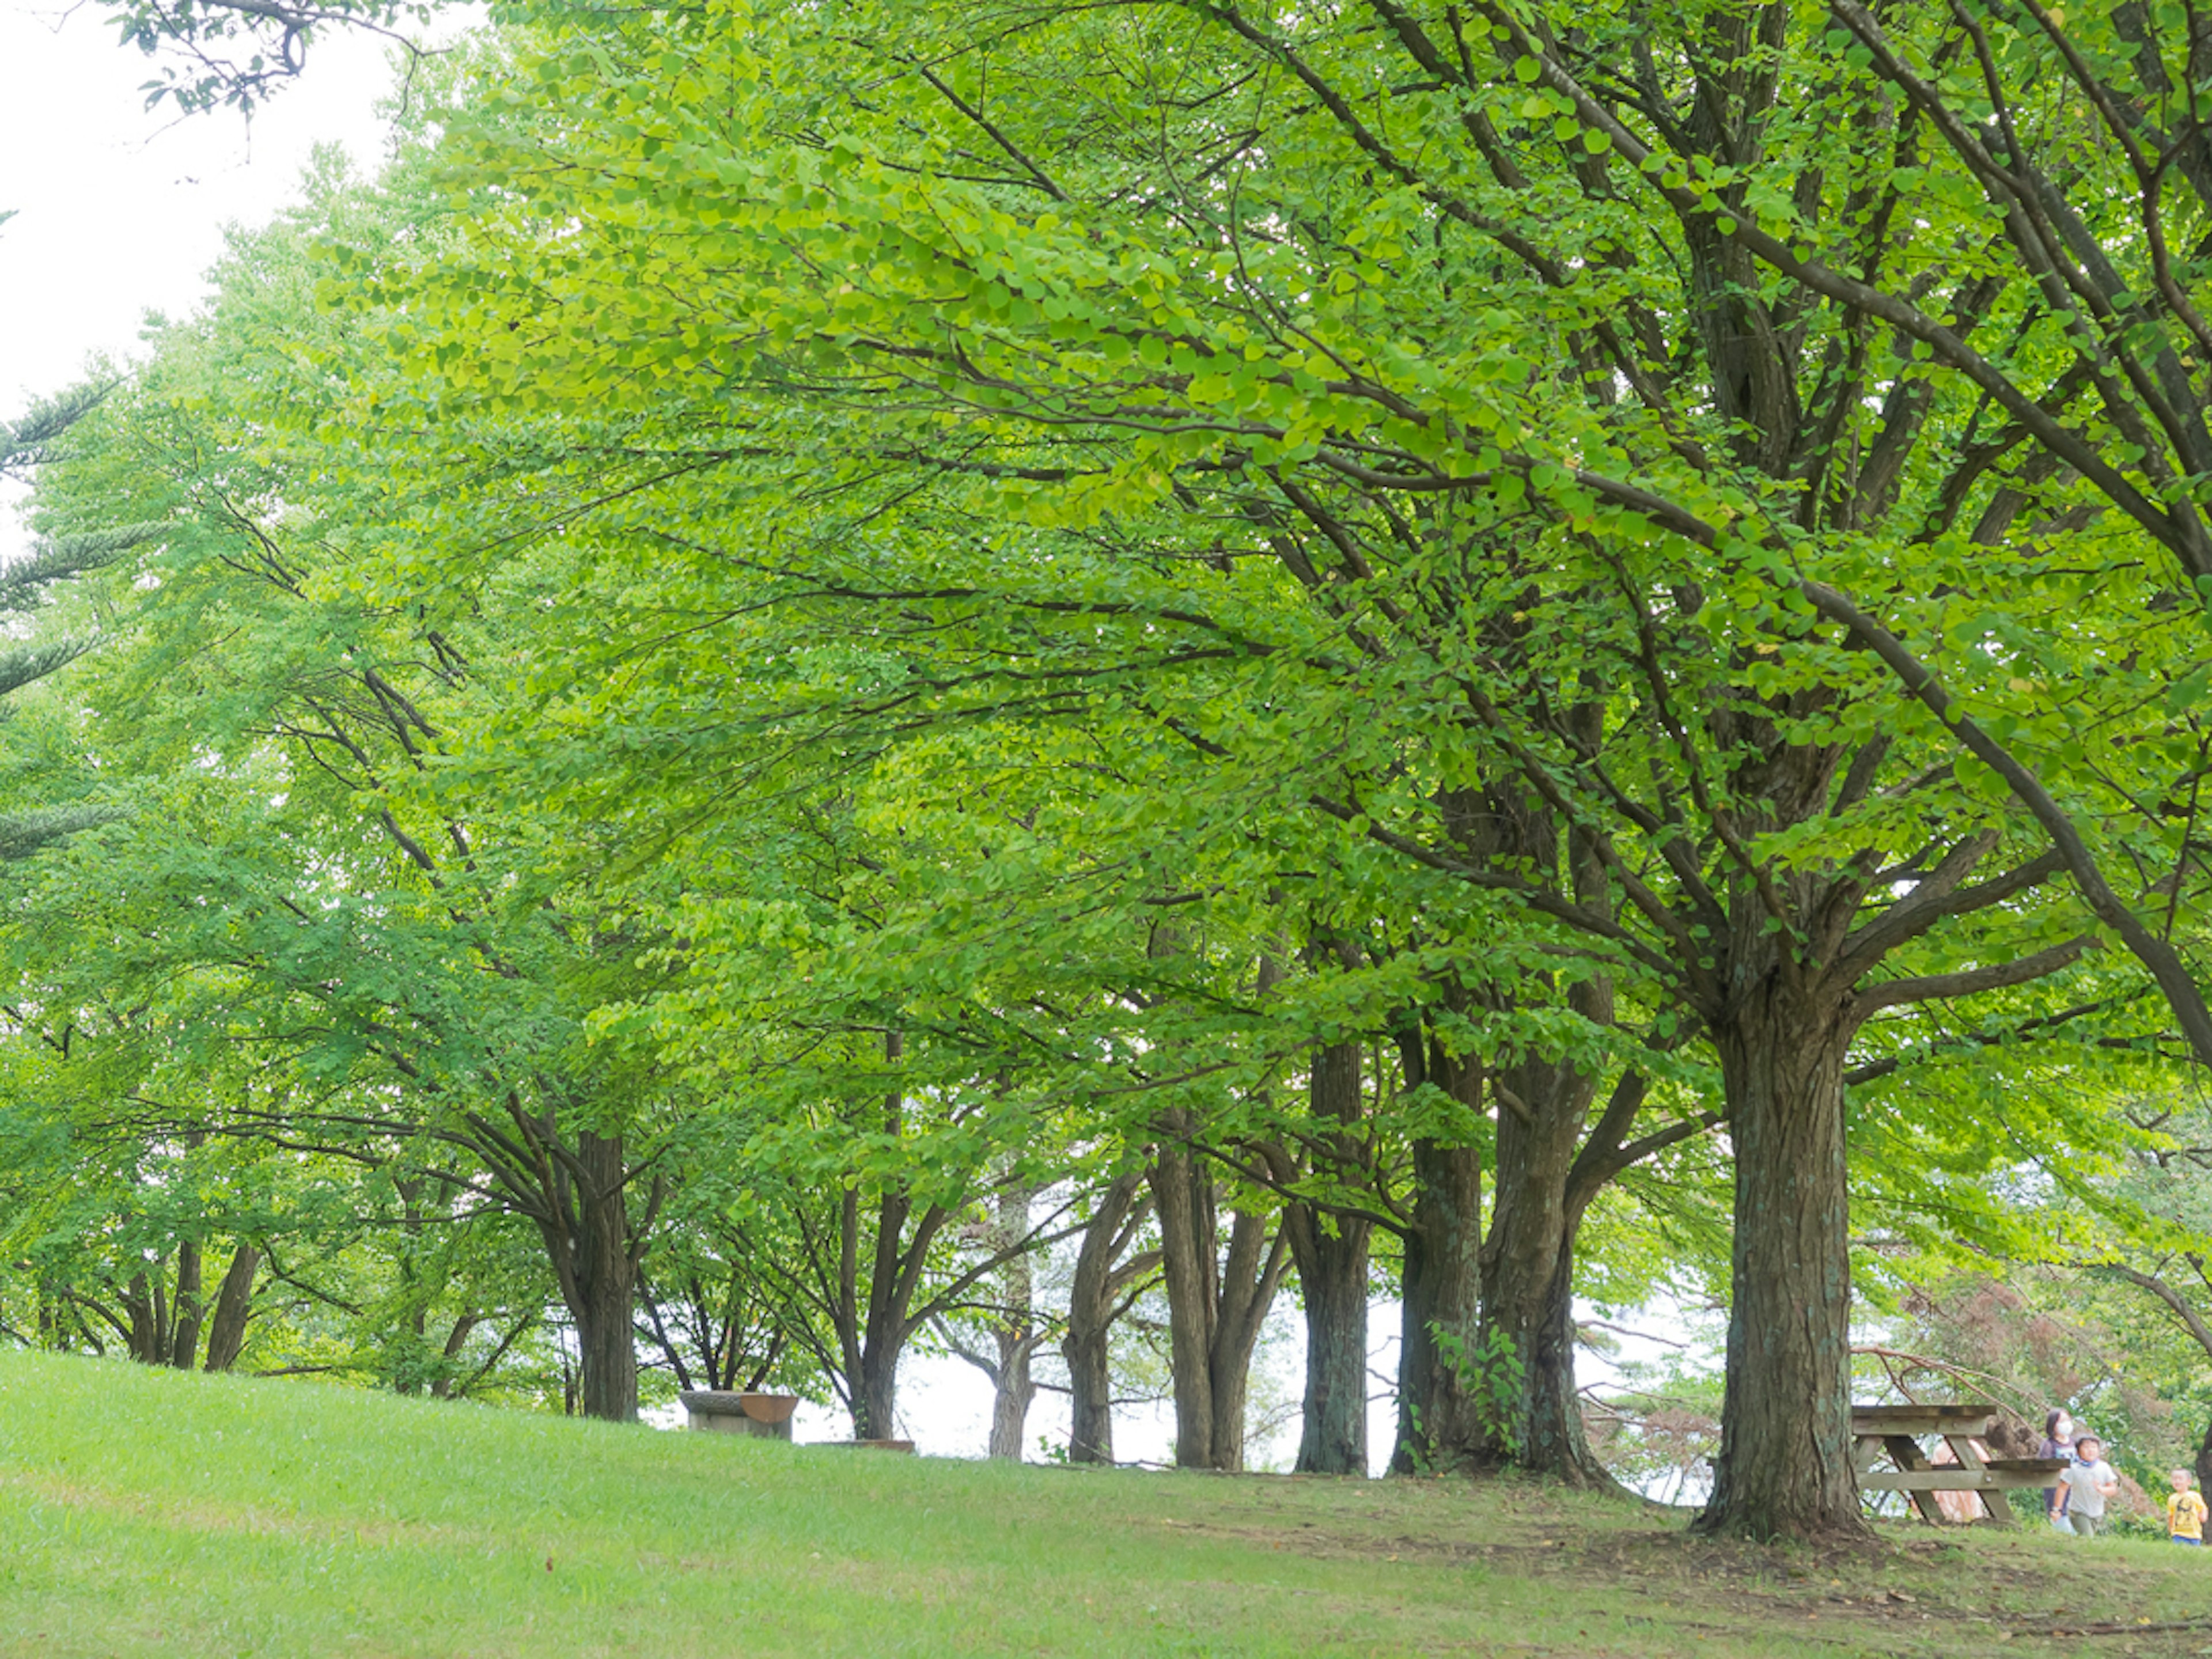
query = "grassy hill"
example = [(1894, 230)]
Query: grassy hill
[(159, 1513)]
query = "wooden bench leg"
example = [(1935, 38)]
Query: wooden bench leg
[(1905, 1451), (1998, 1506)]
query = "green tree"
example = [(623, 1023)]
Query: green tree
[(1327, 479)]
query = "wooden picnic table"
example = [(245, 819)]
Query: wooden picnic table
[(1895, 1431)]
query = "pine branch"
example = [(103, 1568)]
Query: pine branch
[(22, 834), (29, 441), (57, 558), (27, 663)]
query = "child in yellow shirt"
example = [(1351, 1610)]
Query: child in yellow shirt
[(2184, 1512)]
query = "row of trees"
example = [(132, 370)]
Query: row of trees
[(1273, 642)]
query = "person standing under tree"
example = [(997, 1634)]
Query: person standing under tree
[(2184, 1512), (2088, 1482)]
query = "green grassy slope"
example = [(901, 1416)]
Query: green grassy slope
[(154, 1513)]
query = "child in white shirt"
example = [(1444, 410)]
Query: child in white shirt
[(2088, 1483)]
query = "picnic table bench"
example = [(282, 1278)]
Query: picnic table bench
[(1895, 1431)]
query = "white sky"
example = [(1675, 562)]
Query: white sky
[(120, 209)]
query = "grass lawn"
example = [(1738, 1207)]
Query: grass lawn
[(157, 1513)]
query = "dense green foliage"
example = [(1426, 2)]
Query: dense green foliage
[(820, 655)]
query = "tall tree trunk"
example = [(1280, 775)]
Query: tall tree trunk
[(184, 1330), (1009, 1403), (1526, 1333), (599, 1279), (1784, 1468), (1330, 1253), (1216, 1305), (2204, 1459), (1015, 1330), (233, 1307), (1093, 1305), (1440, 1282), (1183, 1197), (883, 1339), (1440, 1426)]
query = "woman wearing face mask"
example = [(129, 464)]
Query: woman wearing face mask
[(2057, 1442)]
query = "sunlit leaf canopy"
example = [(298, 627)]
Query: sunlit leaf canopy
[(867, 605)]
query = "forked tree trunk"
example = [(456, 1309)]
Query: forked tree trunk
[(1331, 1252), (1533, 1418), (1094, 1301), (1251, 1269), (1216, 1303), (233, 1307), (1784, 1468)]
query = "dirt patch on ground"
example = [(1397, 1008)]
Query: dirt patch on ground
[(1902, 1590), (209, 1515)]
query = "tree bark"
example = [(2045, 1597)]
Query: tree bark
[(441, 1385), (1440, 1283), (146, 1302), (1440, 1289), (1015, 1331), (1533, 1420), (1184, 1201), (1010, 1401), (1784, 1468), (1251, 1269), (1216, 1305), (1093, 1305), (590, 1247), (883, 1337), (1330, 1253), (185, 1329), (233, 1307)]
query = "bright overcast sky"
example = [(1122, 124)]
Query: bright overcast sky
[(120, 209)]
